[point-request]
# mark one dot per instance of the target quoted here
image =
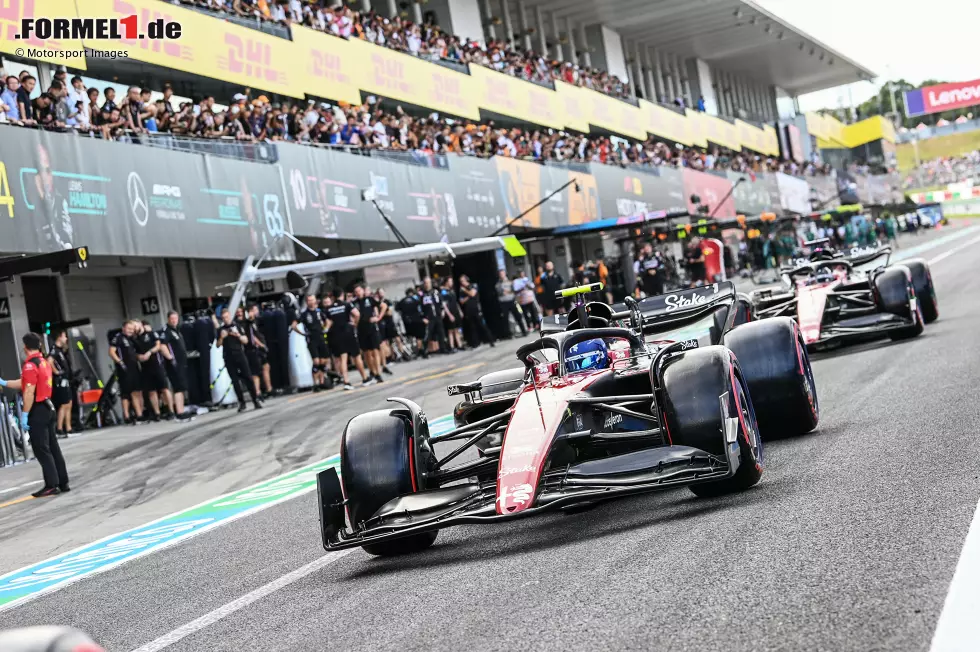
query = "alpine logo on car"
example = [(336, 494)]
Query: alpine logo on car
[(527, 468)]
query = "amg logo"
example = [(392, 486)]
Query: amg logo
[(166, 191)]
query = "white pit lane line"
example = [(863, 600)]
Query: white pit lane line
[(222, 612), (962, 603)]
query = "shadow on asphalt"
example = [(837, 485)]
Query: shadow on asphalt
[(555, 531)]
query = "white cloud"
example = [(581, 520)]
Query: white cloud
[(897, 39)]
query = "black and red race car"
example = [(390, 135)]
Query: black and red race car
[(839, 297), (667, 392)]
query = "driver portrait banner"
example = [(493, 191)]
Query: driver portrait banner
[(713, 192), (65, 191)]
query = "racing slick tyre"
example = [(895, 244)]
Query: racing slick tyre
[(692, 411), (776, 368), (377, 464), (895, 294), (925, 292)]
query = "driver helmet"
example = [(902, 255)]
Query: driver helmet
[(587, 355)]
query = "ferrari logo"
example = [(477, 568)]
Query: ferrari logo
[(83, 254)]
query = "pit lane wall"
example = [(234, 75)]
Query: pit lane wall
[(122, 199)]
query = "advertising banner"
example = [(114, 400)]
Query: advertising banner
[(12, 12), (627, 193), (754, 196), (823, 193), (60, 192), (942, 97), (213, 48), (794, 194), (507, 95), (713, 191), (328, 69)]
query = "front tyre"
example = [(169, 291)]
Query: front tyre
[(378, 456), (776, 368), (895, 294), (925, 292), (693, 387)]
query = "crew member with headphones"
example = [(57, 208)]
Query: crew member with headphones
[(38, 416)]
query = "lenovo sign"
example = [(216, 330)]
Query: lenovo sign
[(942, 97)]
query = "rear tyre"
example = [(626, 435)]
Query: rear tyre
[(378, 456), (925, 292), (693, 416), (775, 365), (895, 294)]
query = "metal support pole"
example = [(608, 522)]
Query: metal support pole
[(686, 82), (558, 54), (508, 23), (539, 27), (392, 8), (490, 30), (522, 22), (586, 55), (651, 88), (417, 13), (572, 49), (658, 78)]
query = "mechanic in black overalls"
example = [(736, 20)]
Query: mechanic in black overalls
[(176, 364), (469, 298), (410, 309), (313, 320), (60, 360), (433, 311), (650, 272), (342, 340), (232, 342)]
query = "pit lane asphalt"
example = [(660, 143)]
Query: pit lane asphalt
[(848, 543)]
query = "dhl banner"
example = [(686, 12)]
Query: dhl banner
[(513, 97), (208, 47), (403, 77), (665, 123), (328, 68), (11, 14), (695, 128), (342, 70)]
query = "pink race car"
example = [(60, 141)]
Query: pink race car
[(837, 298)]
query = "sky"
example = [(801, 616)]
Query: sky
[(897, 39)]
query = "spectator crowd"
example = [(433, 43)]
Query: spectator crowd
[(67, 105), (944, 171)]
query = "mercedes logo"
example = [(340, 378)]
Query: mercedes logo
[(137, 199)]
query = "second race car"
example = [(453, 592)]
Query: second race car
[(837, 297)]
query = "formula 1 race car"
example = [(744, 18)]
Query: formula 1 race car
[(665, 393), (837, 297)]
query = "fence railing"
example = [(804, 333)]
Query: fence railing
[(13, 449)]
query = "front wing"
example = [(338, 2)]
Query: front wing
[(621, 475)]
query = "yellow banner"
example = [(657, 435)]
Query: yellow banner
[(720, 132), (665, 123), (770, 140), (573, 110), (11, 14), (329, 70), (696, 131), (403, 77), (209, 47), (506, 95), (750, 136), (607, 112)]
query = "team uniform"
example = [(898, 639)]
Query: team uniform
[(411, 310), (650, 275), (451, 302), (368, 334), (340, 336), (128, 373), (177, 365), (152, 375), (312, 321), (432, 310), (256, 352), (61, 394), (236, 363), (387, 324), (41, 421)]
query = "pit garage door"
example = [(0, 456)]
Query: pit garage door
[(98, 299)]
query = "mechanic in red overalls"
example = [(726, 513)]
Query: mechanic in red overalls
[(38, 416)]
